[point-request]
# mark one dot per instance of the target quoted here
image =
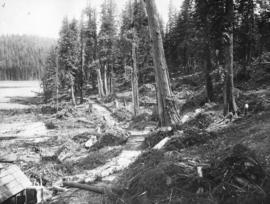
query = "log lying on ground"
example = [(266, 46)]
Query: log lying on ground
[(82, 120), (6, 161), (58, 189), (96, 189), (8, 138), (162, 143)]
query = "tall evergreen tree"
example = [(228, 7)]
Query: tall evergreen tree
[(204, 15), (49, 79), (81, 71), (245, 32), (69, 56), (106, 40), (91, 44)]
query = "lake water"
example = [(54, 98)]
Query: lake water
[(12, 90)]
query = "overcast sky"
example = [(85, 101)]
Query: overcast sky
[(44, 17)]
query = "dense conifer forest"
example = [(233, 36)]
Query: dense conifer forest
[(197, 38), (23, 57)]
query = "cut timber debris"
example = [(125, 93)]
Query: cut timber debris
[(82, 120), (155, 137), (162, 143), (92, 141), (102, 189), (96, 189), (238, 177)]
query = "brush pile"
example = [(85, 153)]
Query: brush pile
[(190, 137), (178, 139), (201, 121), (122, 114), (109, 140), (237, 178), (156, 136)]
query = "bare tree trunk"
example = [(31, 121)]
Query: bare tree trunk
[(57, 82), (72, 93), (134, 82), (229, 99), (134, 76), (166, 105), (81, 70), (208, 69), (93, 79), (100, 83), (112, 82), (105, 80), (124, 64)]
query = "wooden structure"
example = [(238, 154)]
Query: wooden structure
[(13, 183)]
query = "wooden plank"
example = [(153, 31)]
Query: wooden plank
[(4, 195), (7, 171), (4, 192), (14, 184), (12, 181), (6, 179), (96, 189), (14, 189), (4, 173)]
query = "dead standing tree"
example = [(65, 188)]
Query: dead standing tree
[(229, 99), (105, 80), (134, 76), (167, 111), (96, 65)]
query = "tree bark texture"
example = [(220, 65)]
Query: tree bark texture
[(134, 81), (208, 69), (105, 81), (166, 105), (229, 99), (134, 76), (81, 70), (57, 82), (73, 93), (100, 83), (112, 82)]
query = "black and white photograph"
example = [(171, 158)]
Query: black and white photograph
[(134, 101)]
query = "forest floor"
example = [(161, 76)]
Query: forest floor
[(207, 159), (50, 147)]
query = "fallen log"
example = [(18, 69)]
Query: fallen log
[(8, 138), (162, 143), (57, 188), (102, 189), (81, 120), (6, 162), (96, 189)]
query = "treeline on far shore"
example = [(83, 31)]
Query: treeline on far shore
[(22, 57)]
